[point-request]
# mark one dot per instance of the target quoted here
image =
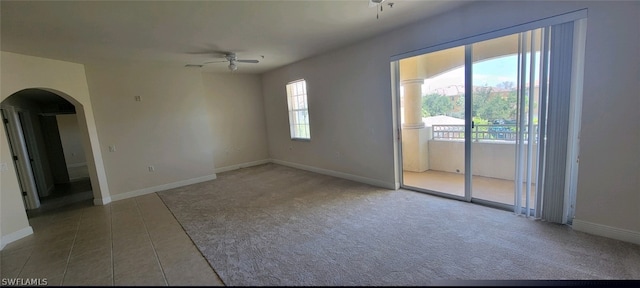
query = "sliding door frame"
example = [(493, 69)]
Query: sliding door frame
[(578, 17)]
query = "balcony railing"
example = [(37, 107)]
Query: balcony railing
[(504, 132)]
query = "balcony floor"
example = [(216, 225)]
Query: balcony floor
[(485, 188)]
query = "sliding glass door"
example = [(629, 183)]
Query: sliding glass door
[(494, 118), (506, 95), (490, 120), (432, 109), (435, 88)]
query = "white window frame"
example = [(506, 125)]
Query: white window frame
[(299, 124)]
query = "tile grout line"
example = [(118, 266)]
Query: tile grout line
[(28, 257), (164, 276), (25, 262), (66, 266)]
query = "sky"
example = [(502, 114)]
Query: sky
[(489, 72)]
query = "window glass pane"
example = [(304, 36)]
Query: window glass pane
[(300, 102), (301, 117), (298, 113)]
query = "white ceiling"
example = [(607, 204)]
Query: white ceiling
[(179, 32)]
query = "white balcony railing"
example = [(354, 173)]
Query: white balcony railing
[(504, 132)]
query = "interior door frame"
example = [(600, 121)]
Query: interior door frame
[(23, 167), (33, 150)]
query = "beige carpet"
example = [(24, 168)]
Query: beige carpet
[(275, 225)]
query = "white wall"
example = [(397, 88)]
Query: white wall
[(236, 106), (350, 101), (494, 160), (168, 129), (19, 72)]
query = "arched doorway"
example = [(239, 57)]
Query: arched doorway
[(49, 148)]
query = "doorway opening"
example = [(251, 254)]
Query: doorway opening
[(45, 141)]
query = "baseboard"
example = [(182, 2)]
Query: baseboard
[(24, 232), (163, 187), (365, 180), (242, 165), (101, 201), (607, 231), (76, 165)]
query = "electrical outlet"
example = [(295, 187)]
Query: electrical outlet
[(151, 168), (112, 148), (137, 98), (3, 167)]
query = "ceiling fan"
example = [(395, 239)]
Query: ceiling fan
[(229, 57), (375, 3)]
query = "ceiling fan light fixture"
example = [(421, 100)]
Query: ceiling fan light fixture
[(373, 3), (231, 58)]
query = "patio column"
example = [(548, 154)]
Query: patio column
[(412, 103), (414, 133)]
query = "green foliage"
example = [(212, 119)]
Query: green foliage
[(480, 121), (489, 104), (435, 104)]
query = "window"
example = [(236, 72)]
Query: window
[(298, 110)]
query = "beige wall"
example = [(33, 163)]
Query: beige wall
[(348, 92), (350, 101), (235, 104), (68, 80), (12, 213), (168, 129)]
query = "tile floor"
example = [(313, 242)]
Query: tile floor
[(136, 241)]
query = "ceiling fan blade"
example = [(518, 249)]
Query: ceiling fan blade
[(248, 61), (213, 54), (219, 61)]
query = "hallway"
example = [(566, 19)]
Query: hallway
[(63, 195)]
